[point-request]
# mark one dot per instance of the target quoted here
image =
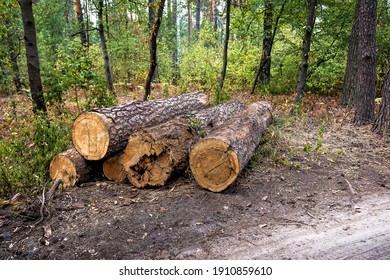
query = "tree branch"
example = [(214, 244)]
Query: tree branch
[(87, 30)]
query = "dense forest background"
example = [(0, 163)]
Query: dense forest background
[(104, 48)]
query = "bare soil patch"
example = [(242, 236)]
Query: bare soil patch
[(318, 188)]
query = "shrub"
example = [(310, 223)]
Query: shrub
[(25, 157)]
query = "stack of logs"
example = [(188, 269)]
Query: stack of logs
[(149, 142)]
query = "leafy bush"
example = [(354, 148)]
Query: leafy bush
[(201, 63), (25, 158), (75, 71), (243, 62)]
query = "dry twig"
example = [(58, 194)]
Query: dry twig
[(350, 188)]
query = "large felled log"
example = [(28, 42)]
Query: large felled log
[(216, 160), (113, 170), (72, 168), (99, 133), (155, 154)]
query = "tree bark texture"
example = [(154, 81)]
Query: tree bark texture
[(80, 20), (34, 71), (152, 18), (106, 58), (72, 168), (267, 43), (382, 121), (217, 159), (267, 56), (197, 19), (306, 51), (100, 133), (366, 72), (175, 53), (350, 77), (153, 48), (190, 27), (152, 13), (226, 44), (154, 155), (113, 170)]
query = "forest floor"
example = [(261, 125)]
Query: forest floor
[(317, 188)]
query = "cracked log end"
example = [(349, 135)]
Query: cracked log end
[(146, 163), (61, 167), (90, 135), (213, 165), (113, 170)]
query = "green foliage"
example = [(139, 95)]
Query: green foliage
[(243, 60), (74, 71), (25, 158), (100, 100), (197, 126), (200, 65), (320, 137), (307, 148), (10, 26)]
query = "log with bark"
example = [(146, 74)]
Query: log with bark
[(72, 168), (217, 159), (113, 170), (99, 133), (153, 155)]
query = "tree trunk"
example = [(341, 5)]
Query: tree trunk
[(217, 160), (107, 64), (350, 77), (153, 155), (73, 169), (382, 121), (305, 52), (153, 48), (87, 20), (80, 20), (99, 133), (175, 53), (189, 14), (226, 44), (267, 43), (366, 73), (267, 56), (197, 19), (152, 18), (113, 170), (34, 71), (213, 14)]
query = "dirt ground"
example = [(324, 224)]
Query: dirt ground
[(317, 188)]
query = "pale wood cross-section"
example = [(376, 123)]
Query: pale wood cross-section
[(218, 159), (72, 168), (113, 169)]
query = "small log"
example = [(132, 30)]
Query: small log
[(72, 168), (153, 155), (216, 160), (113, 170), (100, 133)]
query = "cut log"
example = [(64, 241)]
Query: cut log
[(72, 168), (217, 160), (153, 155), (113, 170), (100, 133)]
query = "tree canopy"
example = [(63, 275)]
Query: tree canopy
[(102, 46)]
